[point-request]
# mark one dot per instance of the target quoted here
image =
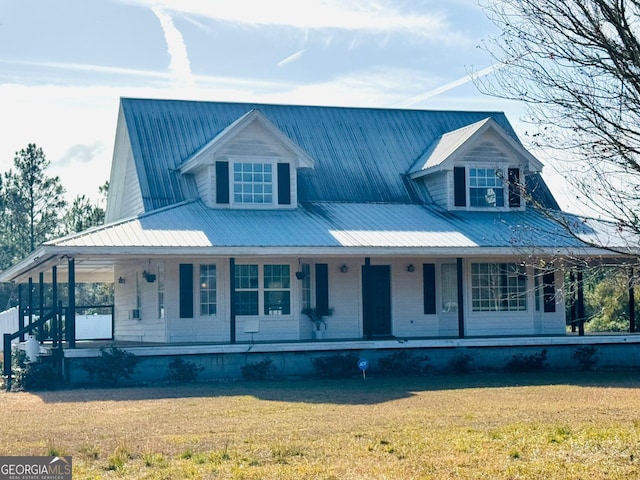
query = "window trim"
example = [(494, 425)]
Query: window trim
[(508, 192), (519, 295), (261, 290), (272, 162)]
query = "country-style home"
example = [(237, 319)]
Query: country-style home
[(226, 220)]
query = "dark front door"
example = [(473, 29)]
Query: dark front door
[(376, 300)]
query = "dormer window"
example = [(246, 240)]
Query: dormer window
[(487, 187), (253, 183)]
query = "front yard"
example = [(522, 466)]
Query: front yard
[(491, 425)]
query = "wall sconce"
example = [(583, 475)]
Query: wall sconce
[(344, 269), (121, 280), (300, 275), (410, 267)]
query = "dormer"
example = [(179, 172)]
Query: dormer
[(479, 168), (251, 164)]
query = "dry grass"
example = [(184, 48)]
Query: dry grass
[(493, 426)]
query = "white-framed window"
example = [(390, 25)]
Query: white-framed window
[(498, 287), (306, 285), (253, 183), (247, 291), (265, 289), (449, 287), (208, 290), (486, 187), (277, 290), (161, 306)]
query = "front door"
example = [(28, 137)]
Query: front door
[(376, 300)]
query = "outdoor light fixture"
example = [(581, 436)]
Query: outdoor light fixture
[(344, 269), (410, 267), (300, 273), (121, 280)]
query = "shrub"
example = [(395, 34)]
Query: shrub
[(336, 366), (32, 376), (404, 362), (527, 363), (183, 371), (112, 365), (586, 356), (460, 363), (259, 370)]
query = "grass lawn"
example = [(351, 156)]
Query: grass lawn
[(491, 425)]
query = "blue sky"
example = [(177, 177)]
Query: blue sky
[(64, 64)]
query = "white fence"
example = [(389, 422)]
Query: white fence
[(9, 322), (88, 327)]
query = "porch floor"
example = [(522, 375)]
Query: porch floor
[(91, 348)]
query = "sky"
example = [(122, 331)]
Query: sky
[(65, 64)]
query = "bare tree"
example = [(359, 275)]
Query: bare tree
[(576, 65)]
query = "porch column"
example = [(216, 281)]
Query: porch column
[(572, 296), (580, 300), (71, 321), (632, 306), (30, 300), (55, 327), (21, 310), (460, 298), (232, 300), (41, 335)]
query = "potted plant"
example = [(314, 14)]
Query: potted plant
[(317, 318)]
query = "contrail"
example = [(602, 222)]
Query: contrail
[(449, 86), (176, 48), (291, 58)]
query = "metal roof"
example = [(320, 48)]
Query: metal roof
[(361, 154), (318, 225)]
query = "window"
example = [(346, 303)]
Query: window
[(277, 290), (208, 305), (498, 287), (253, 183), (486, 188), (449, 281), (306, 285), (246, 285), (161, 290)]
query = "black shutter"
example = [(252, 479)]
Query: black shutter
[(284, 187), (549, 292), (459, 187), (322, 288), (514, 187), (222, 182), (186, 290), (429, 288)]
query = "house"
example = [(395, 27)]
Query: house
[(225, 220)]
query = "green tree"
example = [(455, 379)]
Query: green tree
[(33, 203), (607, 302), (82, 215)]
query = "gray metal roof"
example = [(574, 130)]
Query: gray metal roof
[(318, 225), (361, 154)]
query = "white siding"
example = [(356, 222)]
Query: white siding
[(345, 297), (205, 178), (148, 327), (440, 186), (124, 196)]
